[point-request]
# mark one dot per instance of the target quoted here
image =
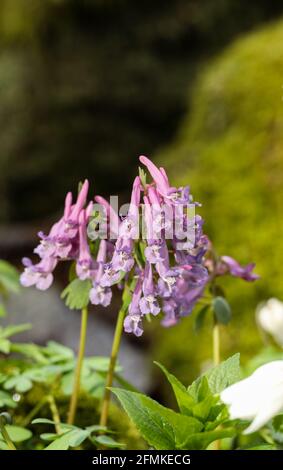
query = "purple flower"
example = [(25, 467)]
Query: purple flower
[(112, 217), (133, 324), (129, 227), (148, 303), (170, 309), (123, 259), (100, 295), (110, 275), (153, 252), (39, 275), (228, 264), (85, 264), (72, 213)]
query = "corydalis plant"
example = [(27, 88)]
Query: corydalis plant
[(163, 271)]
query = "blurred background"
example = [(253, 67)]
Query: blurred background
[(86, 86)]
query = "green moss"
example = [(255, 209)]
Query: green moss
[(230, 150)]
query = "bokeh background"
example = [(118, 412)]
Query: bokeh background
[(86, 86)]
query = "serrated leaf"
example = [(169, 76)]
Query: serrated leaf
[(222, 310), (17, 433), (161, 427), (184, 399), (108, 442), (76, 294), (227, 373), (200, 317)]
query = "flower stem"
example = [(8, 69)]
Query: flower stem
[(110, 375), (77, 378), (5, 435), (55, 413), (216, 360), (216, 344)]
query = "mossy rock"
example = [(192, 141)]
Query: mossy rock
[(230, 150)]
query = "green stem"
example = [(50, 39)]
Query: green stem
[(33, 412), (55, 413), (216, 360), (77, 379), (5, 435), (110, 375), (216, 344)]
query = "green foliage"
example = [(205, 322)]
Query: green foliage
[(229, 149), (73, 436), (196, 425), (76, 294), (5, 333)]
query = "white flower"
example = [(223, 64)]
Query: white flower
[(258, 398), (270, 318)]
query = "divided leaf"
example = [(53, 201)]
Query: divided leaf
[(76, 294)]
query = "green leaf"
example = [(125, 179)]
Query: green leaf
[(199, 320), (61, 443), (17, 433), (31, 351), (9, 277), (20, 383), (100, 364), (222, 310), (58, 352), (12, 330), (3, 445), (184, 399), (72, 438), (78, 436), (6, 400), (5, 345), (219, 377), (48, 436), (161, 427), (227, 373), (107, 441), (76, 294), (201, 441), (42, 421), (3, 311)]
